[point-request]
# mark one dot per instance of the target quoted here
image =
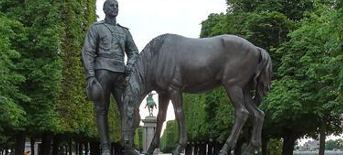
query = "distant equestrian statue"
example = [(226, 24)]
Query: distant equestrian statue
[(172, 64), (150, 103)]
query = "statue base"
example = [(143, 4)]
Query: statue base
[(149, 129)]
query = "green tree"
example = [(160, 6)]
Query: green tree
[(293, 9), (74, 110), (275, 146), (309, 87), (334, 144), (49, 46), (169, 138), (12, 115), (195, 117)]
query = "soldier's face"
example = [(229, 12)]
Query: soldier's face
[(111, 8)]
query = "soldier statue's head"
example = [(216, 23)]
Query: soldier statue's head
[(111, 8)]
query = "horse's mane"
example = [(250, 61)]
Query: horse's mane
[(151, 49), (153, 46), (142, 65)]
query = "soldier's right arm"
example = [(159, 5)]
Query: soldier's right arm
[(89, 51)]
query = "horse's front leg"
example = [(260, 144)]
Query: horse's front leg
[(161, 117), (176, 97)]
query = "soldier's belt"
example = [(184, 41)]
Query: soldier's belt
[(106, 55)]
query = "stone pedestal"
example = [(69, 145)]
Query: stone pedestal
[(149, 129)]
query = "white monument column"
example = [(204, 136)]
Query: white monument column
[(149, 129)]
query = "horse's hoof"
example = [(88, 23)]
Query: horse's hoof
[(249, 153), (131, 152), (222, 152), (251, 150)]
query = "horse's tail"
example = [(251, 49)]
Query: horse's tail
[(263, 76)]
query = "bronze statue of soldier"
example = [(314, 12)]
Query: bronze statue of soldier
[(103, 54)]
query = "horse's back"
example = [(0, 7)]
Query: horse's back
[(208, 52), (201, 64), (222, 44)]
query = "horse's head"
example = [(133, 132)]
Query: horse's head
[(127, 118), (130, 114), (134, 93)]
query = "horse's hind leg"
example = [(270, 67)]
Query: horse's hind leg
[(161, 117), (241, 114), (257, 118), (176, 97)]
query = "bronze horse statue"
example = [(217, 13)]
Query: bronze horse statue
[(172, 64)]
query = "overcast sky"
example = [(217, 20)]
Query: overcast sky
[(147, 19)]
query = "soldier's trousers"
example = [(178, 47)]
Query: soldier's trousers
[(112, 83)]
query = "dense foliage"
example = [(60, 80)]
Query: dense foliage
[(12, 115), (41, 74), (334, 144), (169, 138)]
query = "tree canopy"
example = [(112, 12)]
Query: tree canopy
[(41, 73)]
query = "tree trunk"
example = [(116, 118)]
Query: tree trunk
[(20, 144), (210, 150), (87, 148), (46, 144), (196, 149), (76, 147), (116, 149), (70, 145), (288, 144), (264, 146), (119, 149), (188, 150), (56, 145), (112, 148), (80, 148), (95, 148), (322, 140), (217, 147), (202, 148), (32, 142), (65, 151)]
